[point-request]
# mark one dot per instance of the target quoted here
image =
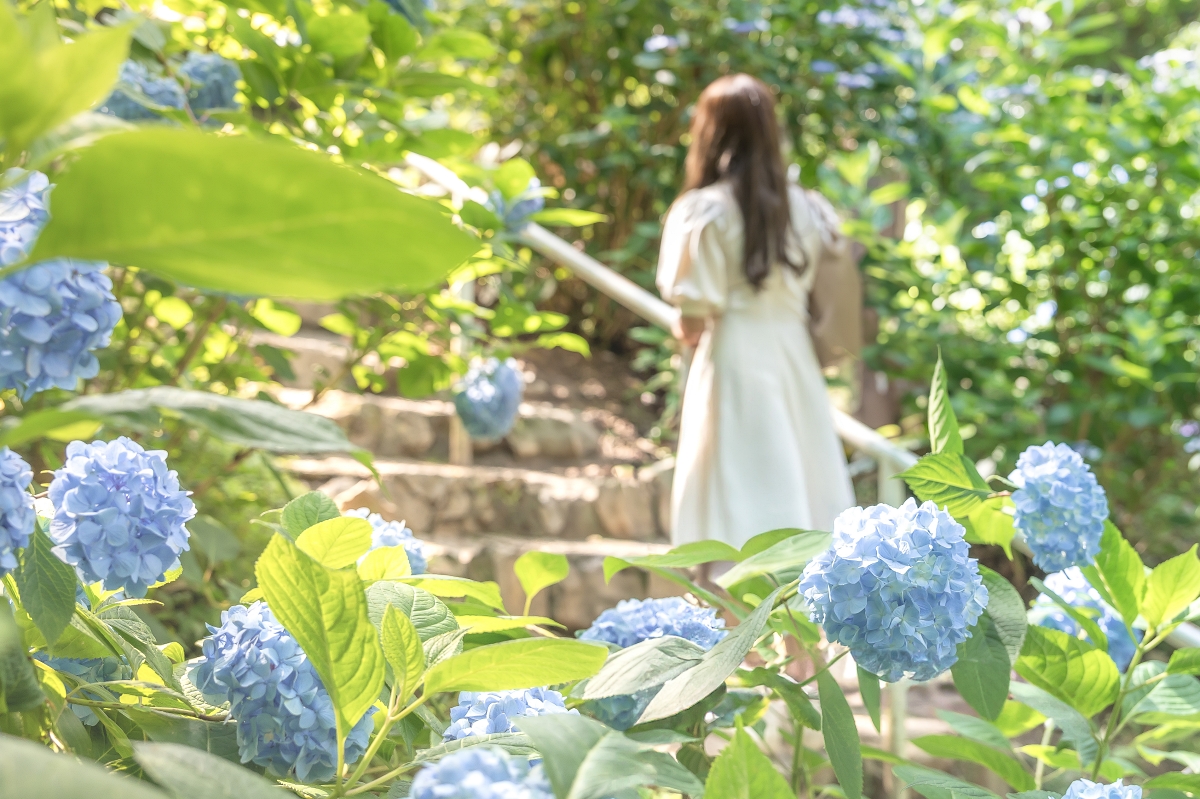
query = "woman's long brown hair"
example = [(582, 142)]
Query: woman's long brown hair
[(735, 137)]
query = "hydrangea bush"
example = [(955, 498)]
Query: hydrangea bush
[(489, 397), (386, 533), (492, 712), (897, 588)]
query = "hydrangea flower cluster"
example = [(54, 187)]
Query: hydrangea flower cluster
[(898, 588), (496, 711), (516, 212), (285, 718), (481, 772), (119, 514), (386, 533), (489, 398), (635, 620), (162, 91), (53, 314), (1060, 507), (212, 81), (1075, 590), (88, 670), (1086, 789), (17, 516)]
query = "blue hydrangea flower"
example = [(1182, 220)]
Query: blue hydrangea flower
[(635, 620), (17, 516), (285, 718), (514, 213), (497, 711), (897, 588), (1060, 507), (161, 91), (54, 313), (88, 670), (1086, 789), (24, 211), (489, 398), (212, 81), (1075, 590), (386, 533), (481, 772), (119, 514)]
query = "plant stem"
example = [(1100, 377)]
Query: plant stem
[(1114, 718), (381, 735), (197, 340), (1039, 771), (827, 666)]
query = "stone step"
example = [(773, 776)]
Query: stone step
[(440, 500)]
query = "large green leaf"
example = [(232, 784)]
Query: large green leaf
[(192, 774), (326, 611), (689, 687), (785, 559), (842, 744), (684, 556), (248, 216), (1174, 781), (792, 694), (28, 769), (869, 690), (47, 586), (976, 729), (991, 522), (442, 585), (540, 570), (948, 480), (1164, 700), (586, 760), (982, 670), (1185, 661), (644, 665), (214, 737), (956, 748), (19, 688), (515, 743), (1076, 729), (306, 510), (1171, 587), (1072, 670), (429, 615), (1007, 610), (512, 665), (249, 423), (943, 424), (1118, 574), (44, 82), (1088, 623), (742, 771), (336, 543), (936, 785), (402, 649)]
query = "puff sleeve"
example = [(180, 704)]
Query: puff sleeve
[(693, 261)]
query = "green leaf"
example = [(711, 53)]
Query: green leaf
[(28, 769), (955, 748), (681, 692), (1184, 661), (841, 736), (990, 522), (586, 760), (936, 785), (47, 586), (949, 480), (476, 625), (785, 559), (52, 423), (1069, 759), (684, 556), (976, 729), (1118, 574), (1089, 625), (943, 424), (340, 35), (644, 665), (567, 217), (793, 695), (19, 689), (248, 216), (1017, 719), (306, 510), (868, 689), (515, 743), (402, 649), (742, 771), (512, 665), (429, 615), (1076, 728), (982, 670), (539, 570), (336, 543), (1007, 610), (248, 423), (513, 176), (1072, 670), (890, 193), (391, 32), (190, 773), (1174, 781), (326, 611), (385, 563), (456, 587), (1176, 695), (764, 541), (1171, 587), (444, 646), (46, 82)]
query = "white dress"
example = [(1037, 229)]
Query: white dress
[(757, 448)]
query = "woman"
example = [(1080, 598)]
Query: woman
[(740, 247)]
